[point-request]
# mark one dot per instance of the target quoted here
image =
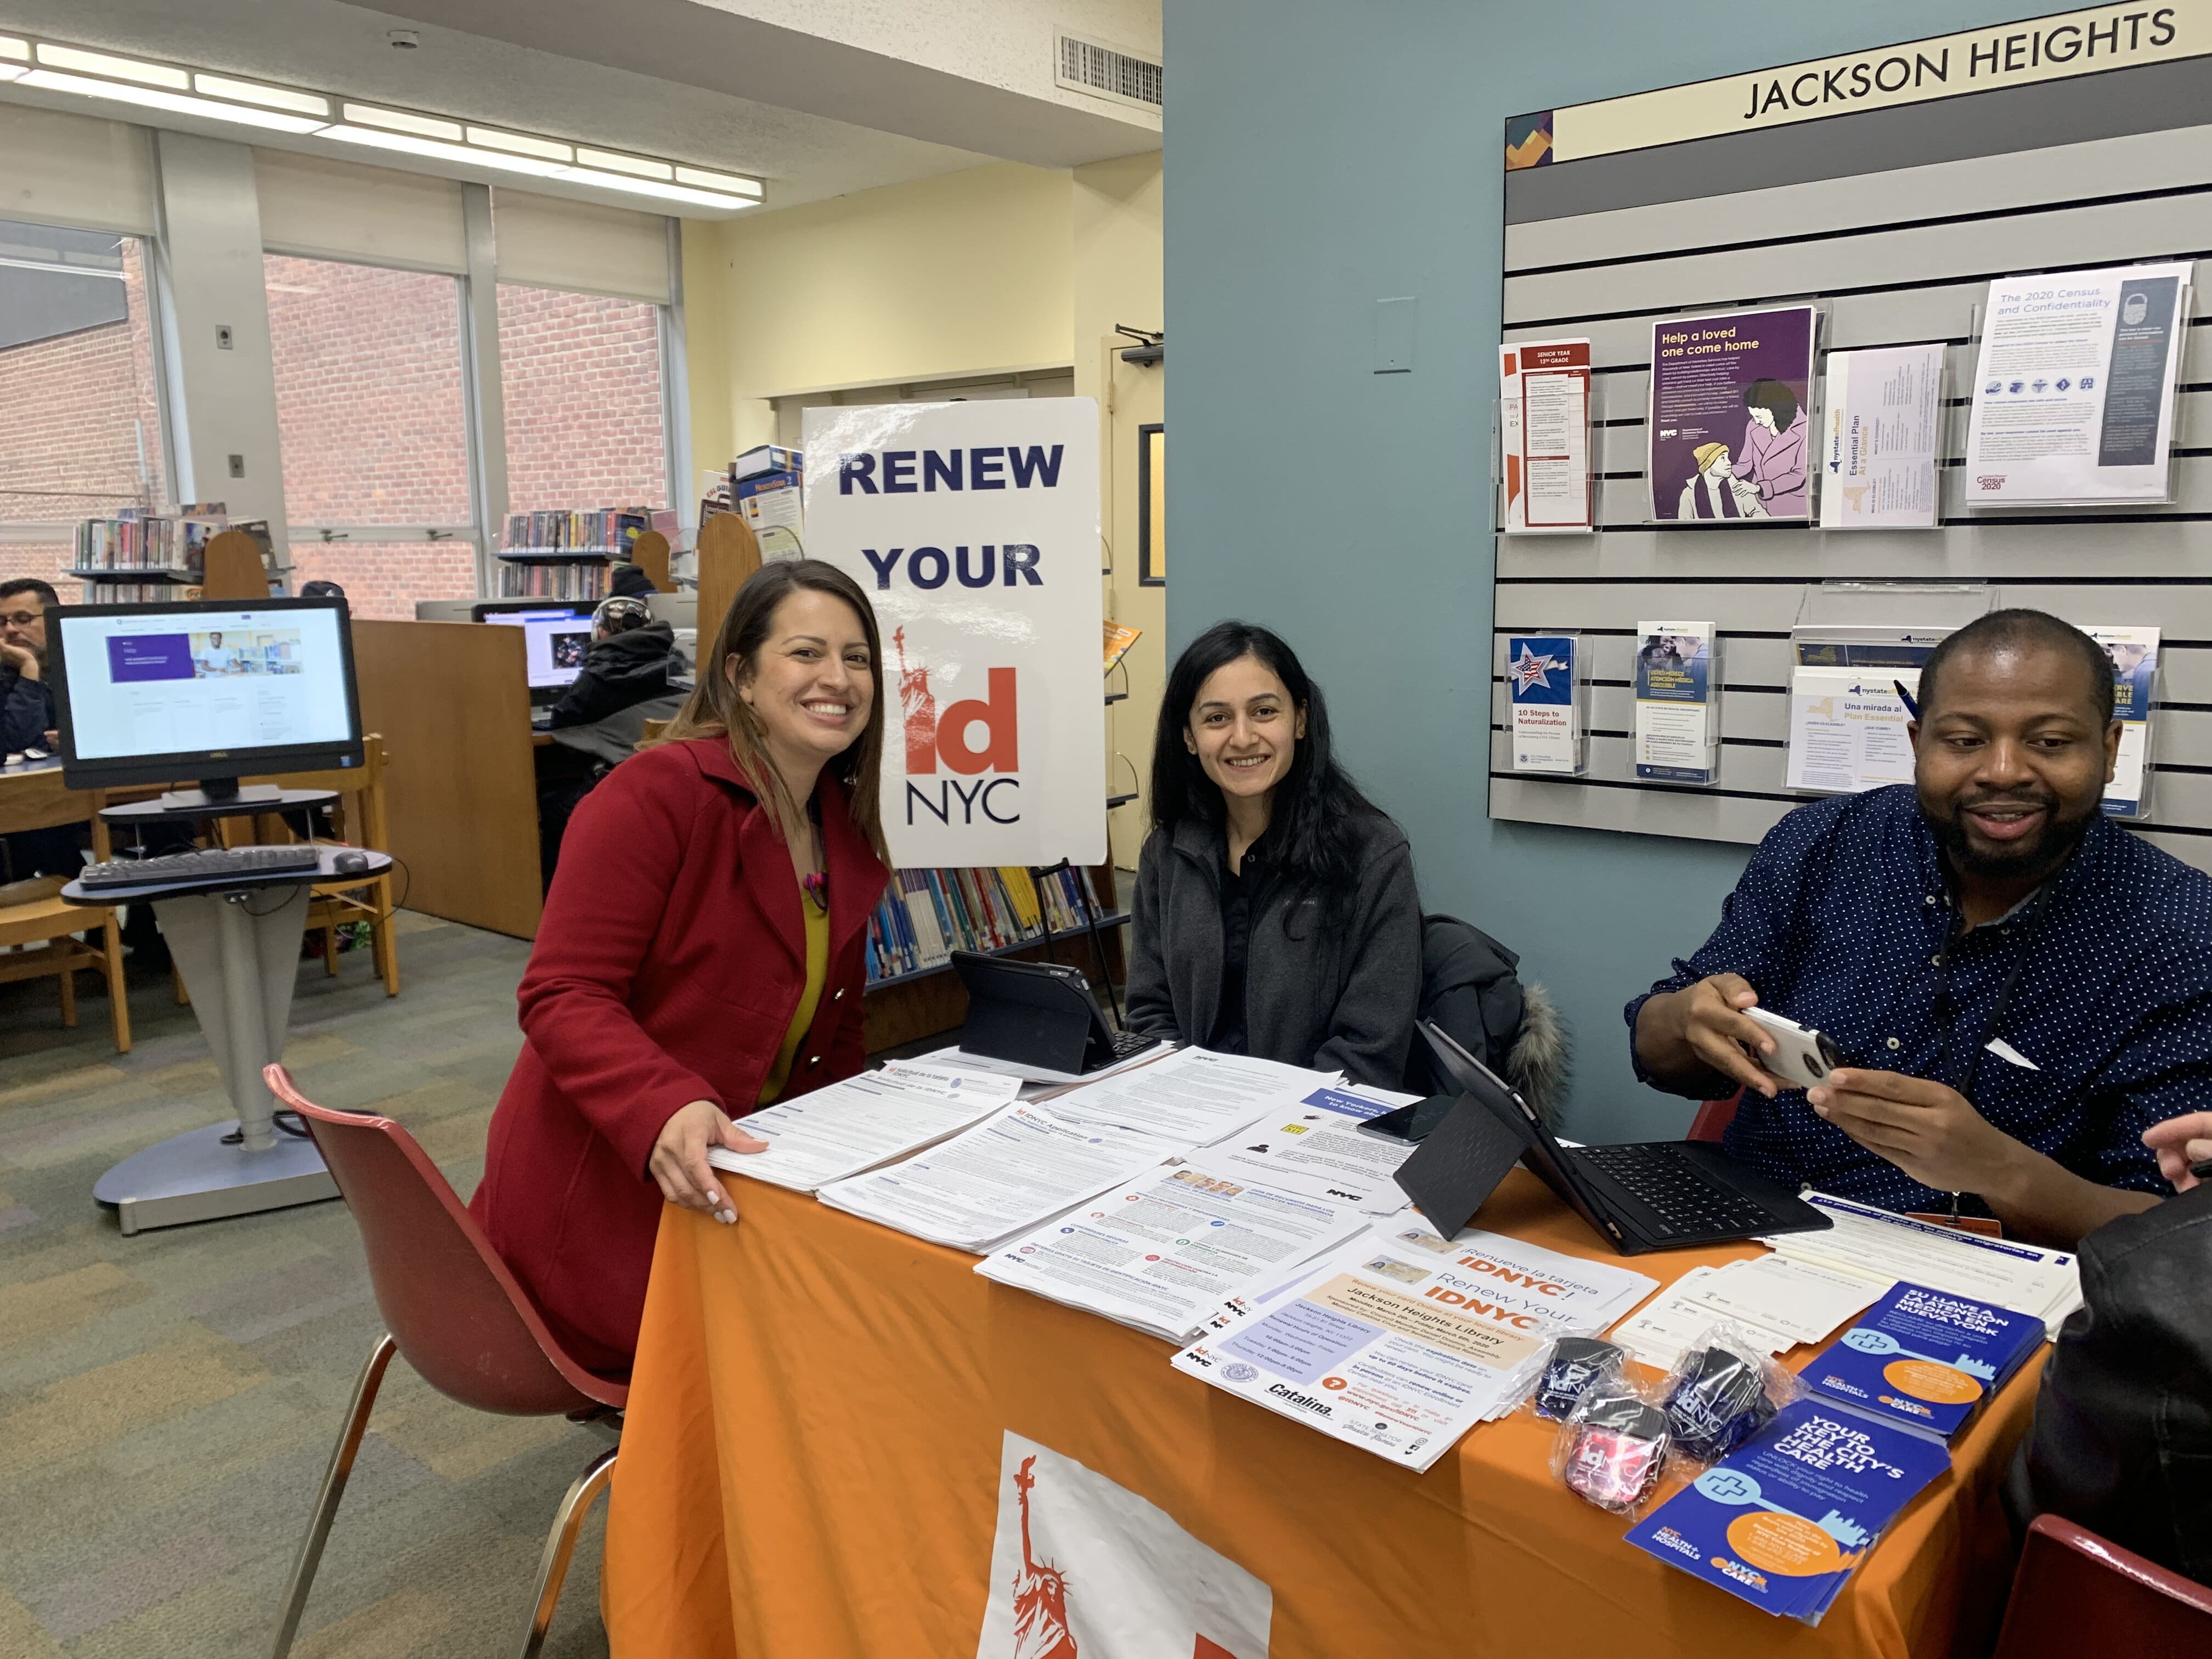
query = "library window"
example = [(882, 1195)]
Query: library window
[(372, 410), (80, 416), (580, 385)]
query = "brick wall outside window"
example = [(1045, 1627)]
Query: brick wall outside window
[(72, 412), (372, 414)]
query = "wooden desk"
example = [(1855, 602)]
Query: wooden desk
[(453, 701)]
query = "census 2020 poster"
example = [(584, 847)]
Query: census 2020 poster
[(1730, 416)]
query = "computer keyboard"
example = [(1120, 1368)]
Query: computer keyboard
[(203, 865), (1126, 1043), (1664, 1181)]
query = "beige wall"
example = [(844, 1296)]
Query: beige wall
[(1117, 279), (999, 269)]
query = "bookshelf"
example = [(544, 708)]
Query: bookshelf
[(563, 553), (191, 553)]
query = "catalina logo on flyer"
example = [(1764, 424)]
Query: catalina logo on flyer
[(1084, 1569), (972, 529)]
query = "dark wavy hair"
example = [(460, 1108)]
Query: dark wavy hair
[(1317, 820)]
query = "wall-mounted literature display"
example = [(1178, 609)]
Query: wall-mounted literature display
[(1978, 227), (1543, 476)]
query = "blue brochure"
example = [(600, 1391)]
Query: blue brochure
[(1783, 1520), (1924, 1360)]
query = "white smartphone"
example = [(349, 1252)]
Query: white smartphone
[(1801, 1056)]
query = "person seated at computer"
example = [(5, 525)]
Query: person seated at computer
[(26, 697), (626, 664), (1275, 912), (2019, 988), (702, 953), (2122, 1440)]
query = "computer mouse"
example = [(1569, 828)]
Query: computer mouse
[(350, 862)]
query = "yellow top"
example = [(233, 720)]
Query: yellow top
[(817, 976)]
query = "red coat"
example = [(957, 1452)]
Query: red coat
[(669, 961)]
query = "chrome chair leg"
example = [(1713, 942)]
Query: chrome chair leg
[(334, 1485), (560, 1545)]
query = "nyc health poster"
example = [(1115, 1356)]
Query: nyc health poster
[(1731, 399), (973, 528)]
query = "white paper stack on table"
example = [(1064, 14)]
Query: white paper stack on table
[(1778, 1301), (1018, 1169), (861, 1122), (2046, 1284), (1310, 1141), (1165, 1251), (1401, 1341)]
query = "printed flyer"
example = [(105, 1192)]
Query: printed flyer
[(1544, 688), (1544, 392), (1730, 397), (1882, 425), (1678, 715), (1924, 1360), (2074, 387), (2133, 651), (1785, 1519)]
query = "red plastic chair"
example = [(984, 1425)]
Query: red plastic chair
[(452, 1307), (2075, 1592), (1713, 1119)]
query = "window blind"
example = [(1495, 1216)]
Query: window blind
[(549, 241), (322, 209), (76, 171)]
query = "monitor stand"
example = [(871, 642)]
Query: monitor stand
[(218, 792)]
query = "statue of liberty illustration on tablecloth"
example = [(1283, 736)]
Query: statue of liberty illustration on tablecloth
[(1040, 1591)]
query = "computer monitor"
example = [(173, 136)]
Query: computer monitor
[(206, 689), (554, 639)]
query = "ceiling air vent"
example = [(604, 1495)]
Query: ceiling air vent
[(1106, 72)]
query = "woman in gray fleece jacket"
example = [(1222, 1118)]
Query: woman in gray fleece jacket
[(1275, 911)]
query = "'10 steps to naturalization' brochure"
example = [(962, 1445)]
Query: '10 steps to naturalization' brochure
[(1543, 685)]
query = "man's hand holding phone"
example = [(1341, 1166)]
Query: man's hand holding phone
[(1722, 1036)]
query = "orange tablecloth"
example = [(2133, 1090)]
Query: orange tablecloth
[(810, 1470)]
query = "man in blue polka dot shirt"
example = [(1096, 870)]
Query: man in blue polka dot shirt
[(2020, 987)]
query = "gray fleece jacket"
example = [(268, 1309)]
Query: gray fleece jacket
[(1340, 997)]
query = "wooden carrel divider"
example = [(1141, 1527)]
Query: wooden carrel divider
[(649, 552), (233, 568), (728, 553)]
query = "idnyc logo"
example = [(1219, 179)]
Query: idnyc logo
[(940, 743)]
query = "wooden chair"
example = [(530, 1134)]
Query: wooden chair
[(40, 801)]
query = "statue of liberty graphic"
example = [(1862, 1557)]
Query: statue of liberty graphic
[(1040, 1591)]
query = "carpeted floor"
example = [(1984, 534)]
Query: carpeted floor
[(167, 1401)]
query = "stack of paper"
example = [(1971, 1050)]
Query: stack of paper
[(1785, 1519), (1020, 1168), (1924, 1361), (1164, 1252), (861, 1122), (2001, 1272), (1777, 1301), (1401, 1341), (1310, 1141)]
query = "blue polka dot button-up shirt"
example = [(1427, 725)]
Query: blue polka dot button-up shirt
[(1843, 920)]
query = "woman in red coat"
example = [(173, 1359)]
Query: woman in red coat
[(702, 953)]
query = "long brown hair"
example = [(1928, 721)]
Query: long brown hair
[(715, 710)]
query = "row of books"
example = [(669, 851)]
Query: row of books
[(928, 914), (607, 530), (553, 581), (136, 539), (135, 592)]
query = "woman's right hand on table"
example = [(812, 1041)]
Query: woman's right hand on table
[(679, 1162)]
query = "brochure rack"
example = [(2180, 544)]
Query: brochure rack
[(1894, 222)]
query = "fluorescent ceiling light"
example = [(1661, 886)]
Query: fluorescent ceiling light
[(520, 143), (632, 164), (652, 187), (179, 103), (422, 127), (123, 68), (413, 146), (705, 181), (253, 92), (18, 50)]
